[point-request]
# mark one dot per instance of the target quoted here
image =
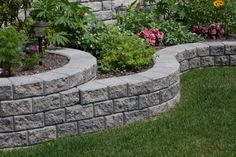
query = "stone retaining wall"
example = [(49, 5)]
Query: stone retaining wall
[(107, 103)]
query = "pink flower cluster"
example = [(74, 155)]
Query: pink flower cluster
[(34, 48), (153, 35), (213, 31)]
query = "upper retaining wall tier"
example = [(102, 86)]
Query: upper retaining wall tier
[(107, 103), (80, 69)]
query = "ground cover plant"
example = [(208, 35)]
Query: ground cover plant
[(202, 124)]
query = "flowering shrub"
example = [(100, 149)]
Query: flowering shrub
[(153, 36), (213, 31)]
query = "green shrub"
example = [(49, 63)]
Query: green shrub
[(175, 33), (121, 51), (10, 47), (31, 61)]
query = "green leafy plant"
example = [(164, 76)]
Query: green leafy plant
[(66, 19), (121, 51), (88, 36), (135, 18), (31, 61), (10, 47), (175, 33)]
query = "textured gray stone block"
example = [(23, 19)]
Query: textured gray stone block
[(184, 66), (194, 63), (95, 6), (75, 75), (207, 61), (202, 49), (106, 5), (16, 107), (92, 92), (190, 52), (29, 121), (46, 103), (138, 84), (70, 97), (8, 140), (6, 124), (216, 48), (104, 15), (103, 108), (26, 86), (117, 88), (164, 107), (125, 104), (91, 125), (159, 80), (134, 116), (67, 129), (147, 100), (53, 82), (169, 93), (221, 60), (79, 112), (114, 120), (5, 89), (41, 135), (233, 60), (230, 47), (55, 117), (180, 56)]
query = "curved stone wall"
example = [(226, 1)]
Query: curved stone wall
[(108, 103), (80, 69)]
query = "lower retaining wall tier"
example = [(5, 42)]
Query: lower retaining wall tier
[(64, 109)]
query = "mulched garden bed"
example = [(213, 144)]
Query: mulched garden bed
[(50, 61)]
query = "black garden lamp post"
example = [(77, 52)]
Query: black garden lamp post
[(39, 29)]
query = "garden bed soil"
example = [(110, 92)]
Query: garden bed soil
[(50, 61)]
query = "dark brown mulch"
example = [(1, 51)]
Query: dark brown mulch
[(50, 61)]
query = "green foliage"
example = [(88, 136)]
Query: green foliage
[(202, 12), (88, 36), (65, 19), (175, 33), (197, 12), (121, 51), (10, 46), (32, 60), (59, 38), (166, 9), (9, 10), (135, 19)]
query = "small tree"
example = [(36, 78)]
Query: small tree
[(10, 46)]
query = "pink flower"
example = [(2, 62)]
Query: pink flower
[(34, 48), (222, 30), (154, 36), (195, 29)]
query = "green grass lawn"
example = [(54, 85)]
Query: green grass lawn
[(202, 124)]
